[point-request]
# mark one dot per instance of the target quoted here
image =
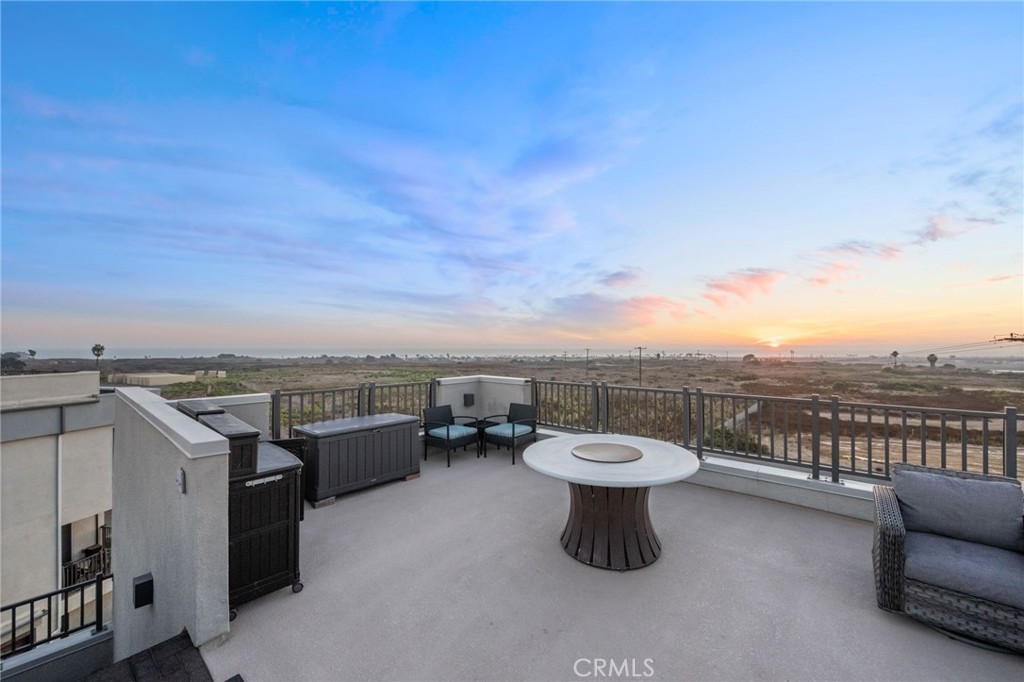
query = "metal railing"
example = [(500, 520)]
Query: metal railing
[(55, 615), (828, 436), (303, 407), (831, 437), (84, 569)]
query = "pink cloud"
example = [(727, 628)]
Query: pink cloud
[(644, 309), (833, 272), (741, 284)]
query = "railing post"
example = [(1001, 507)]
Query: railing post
[(700, 424), (275, 413), (361, 401), (835, 439), (815, 437), (1010, 443), (371, 399), (432, 394), (534, 392), (686, 416), (605, 406), (595, 408), (99, 603)]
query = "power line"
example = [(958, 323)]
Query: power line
[(976, 345)]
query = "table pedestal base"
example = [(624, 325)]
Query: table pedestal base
[(610, 527)]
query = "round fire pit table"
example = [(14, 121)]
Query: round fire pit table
[(610, 478)]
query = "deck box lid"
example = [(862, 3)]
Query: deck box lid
[(337, 427), (273, 458), (228, 425), (198, 406)]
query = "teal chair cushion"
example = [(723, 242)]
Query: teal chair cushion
[(509, 430), (452, 432)]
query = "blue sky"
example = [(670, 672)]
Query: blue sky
[(818, 177)]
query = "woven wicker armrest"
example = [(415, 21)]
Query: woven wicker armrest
[(887, 549)]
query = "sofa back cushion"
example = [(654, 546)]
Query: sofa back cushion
[(989, 510)]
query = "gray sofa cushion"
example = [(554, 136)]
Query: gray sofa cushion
[(966, 567), (989, 512)]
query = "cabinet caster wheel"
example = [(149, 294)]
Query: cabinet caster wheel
[(232, 614), (297, 587)]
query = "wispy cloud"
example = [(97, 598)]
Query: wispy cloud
[(858, 247), (742, 285), (621, 278), (197, 56), (593, 314), (831, 274)]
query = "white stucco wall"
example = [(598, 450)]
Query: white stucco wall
[(32, 389), (492, 395), (182, 539), (85, 473), (28, 518)]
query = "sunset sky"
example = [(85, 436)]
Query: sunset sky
[(822, 178)]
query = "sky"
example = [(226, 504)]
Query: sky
[(762, 177)]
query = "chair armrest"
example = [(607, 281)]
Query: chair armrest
[(427, 426), (494, 416), (464, 416), (887, 550)]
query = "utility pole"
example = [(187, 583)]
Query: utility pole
[(587, 365), (640, 356)]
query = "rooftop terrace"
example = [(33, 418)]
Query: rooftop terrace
[(459, 575)]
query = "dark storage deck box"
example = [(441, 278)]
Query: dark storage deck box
[(263, 526), (343, 455)]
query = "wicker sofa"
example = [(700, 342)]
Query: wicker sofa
[(949, 551)]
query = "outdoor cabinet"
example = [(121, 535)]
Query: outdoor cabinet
[(242, 441), (264, 509), (343, 455)]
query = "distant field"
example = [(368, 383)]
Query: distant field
[(878, 382)]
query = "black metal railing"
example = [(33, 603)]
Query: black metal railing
[(303, 407), (828, 436), (831, 437), (55, 615), (86, 568)]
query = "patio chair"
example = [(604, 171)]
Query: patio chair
[(440, 430), (949, 551), (520, 426)]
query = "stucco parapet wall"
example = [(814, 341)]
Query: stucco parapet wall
[(848, 498), (26, 391), (192, 438), (482, 378)]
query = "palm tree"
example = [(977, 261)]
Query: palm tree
[(932, 359), (98, 350), (31, 353), (895, 354)]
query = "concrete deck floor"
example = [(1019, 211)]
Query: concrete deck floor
[(459, 575)]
